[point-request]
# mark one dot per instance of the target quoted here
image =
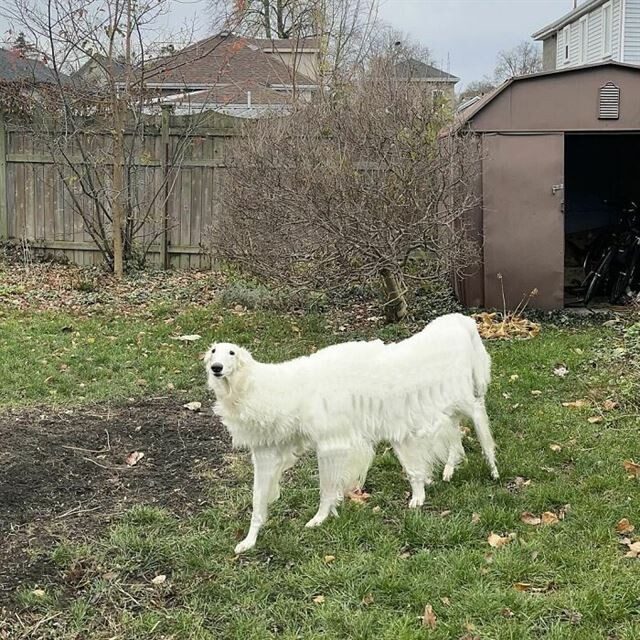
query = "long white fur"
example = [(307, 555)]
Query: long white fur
[(344, 399)]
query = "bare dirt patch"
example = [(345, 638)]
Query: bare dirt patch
[(63, 473)]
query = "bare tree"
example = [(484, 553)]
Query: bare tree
[(344, 28), (361, 187), (93, 124), (524, 59), (477, 88)]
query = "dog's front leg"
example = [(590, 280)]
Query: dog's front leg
[(266, 466)]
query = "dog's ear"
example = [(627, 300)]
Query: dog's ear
[(243, 357)]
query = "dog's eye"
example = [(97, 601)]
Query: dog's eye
[(213, 350), (232, 353)]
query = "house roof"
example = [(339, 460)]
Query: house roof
[(308, 45), (16, 68), (413, 69), (466, 115), (222, 59), (571, 16), (230, 94)]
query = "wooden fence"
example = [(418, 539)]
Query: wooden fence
[(186, 155)]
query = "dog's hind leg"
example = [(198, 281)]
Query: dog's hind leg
[(456, 454), (267, 464), (333, 465), (413, 455)]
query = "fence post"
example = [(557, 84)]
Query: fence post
[(164, 236), (4, 221)]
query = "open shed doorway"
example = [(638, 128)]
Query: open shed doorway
[(602, 183)]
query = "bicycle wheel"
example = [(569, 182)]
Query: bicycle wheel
[(598, 276)]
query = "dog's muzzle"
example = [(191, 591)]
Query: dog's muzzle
[(217, 370)]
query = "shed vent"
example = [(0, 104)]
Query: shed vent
[(609, 107)]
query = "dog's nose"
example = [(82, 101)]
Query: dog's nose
[(216, 368)]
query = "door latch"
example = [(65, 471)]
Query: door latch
[(557, 187)]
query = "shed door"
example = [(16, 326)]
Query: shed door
[(523, 178)]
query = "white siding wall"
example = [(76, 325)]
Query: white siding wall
[(616, 38), (632, 32), (595, 40)]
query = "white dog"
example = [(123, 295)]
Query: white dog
[(344, 399)]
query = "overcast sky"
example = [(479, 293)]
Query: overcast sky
[(464, 35), (469, 33)]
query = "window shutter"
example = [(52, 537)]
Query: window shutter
[(609, 107)]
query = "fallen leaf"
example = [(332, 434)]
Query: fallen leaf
[(445, 601), (530, 518), (562, 512), (429, 618), (188, 338), (134, 457), (358, 495), (506, 396), (624, 526), (110, 575), (444, 514), (39, 593), (576, 404), (368, 599), (170, 386), (632, 468), (514, 377), (548, 517), (497, 541), (572, 617), (193, 406), (609, 405), (329, 559), (319, 599), (376, 509), (507, 613), (536, 392), (475, 518), (159, 579), (595, 419), (555, 447), (561, 371)]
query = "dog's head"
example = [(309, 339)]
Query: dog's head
[(224, 361)]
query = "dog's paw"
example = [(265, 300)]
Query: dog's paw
[(316, 521), (447, 474), (245, 545), (416, 502)]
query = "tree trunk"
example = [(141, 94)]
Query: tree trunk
[(395, 307), (117, 208), (266, 10)]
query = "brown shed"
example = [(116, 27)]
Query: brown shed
[(560, 156)]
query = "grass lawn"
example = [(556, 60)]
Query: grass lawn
[(370, 573)]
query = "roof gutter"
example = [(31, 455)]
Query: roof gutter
[(574, 14)]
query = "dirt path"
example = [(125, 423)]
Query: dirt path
[(64, 472)]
